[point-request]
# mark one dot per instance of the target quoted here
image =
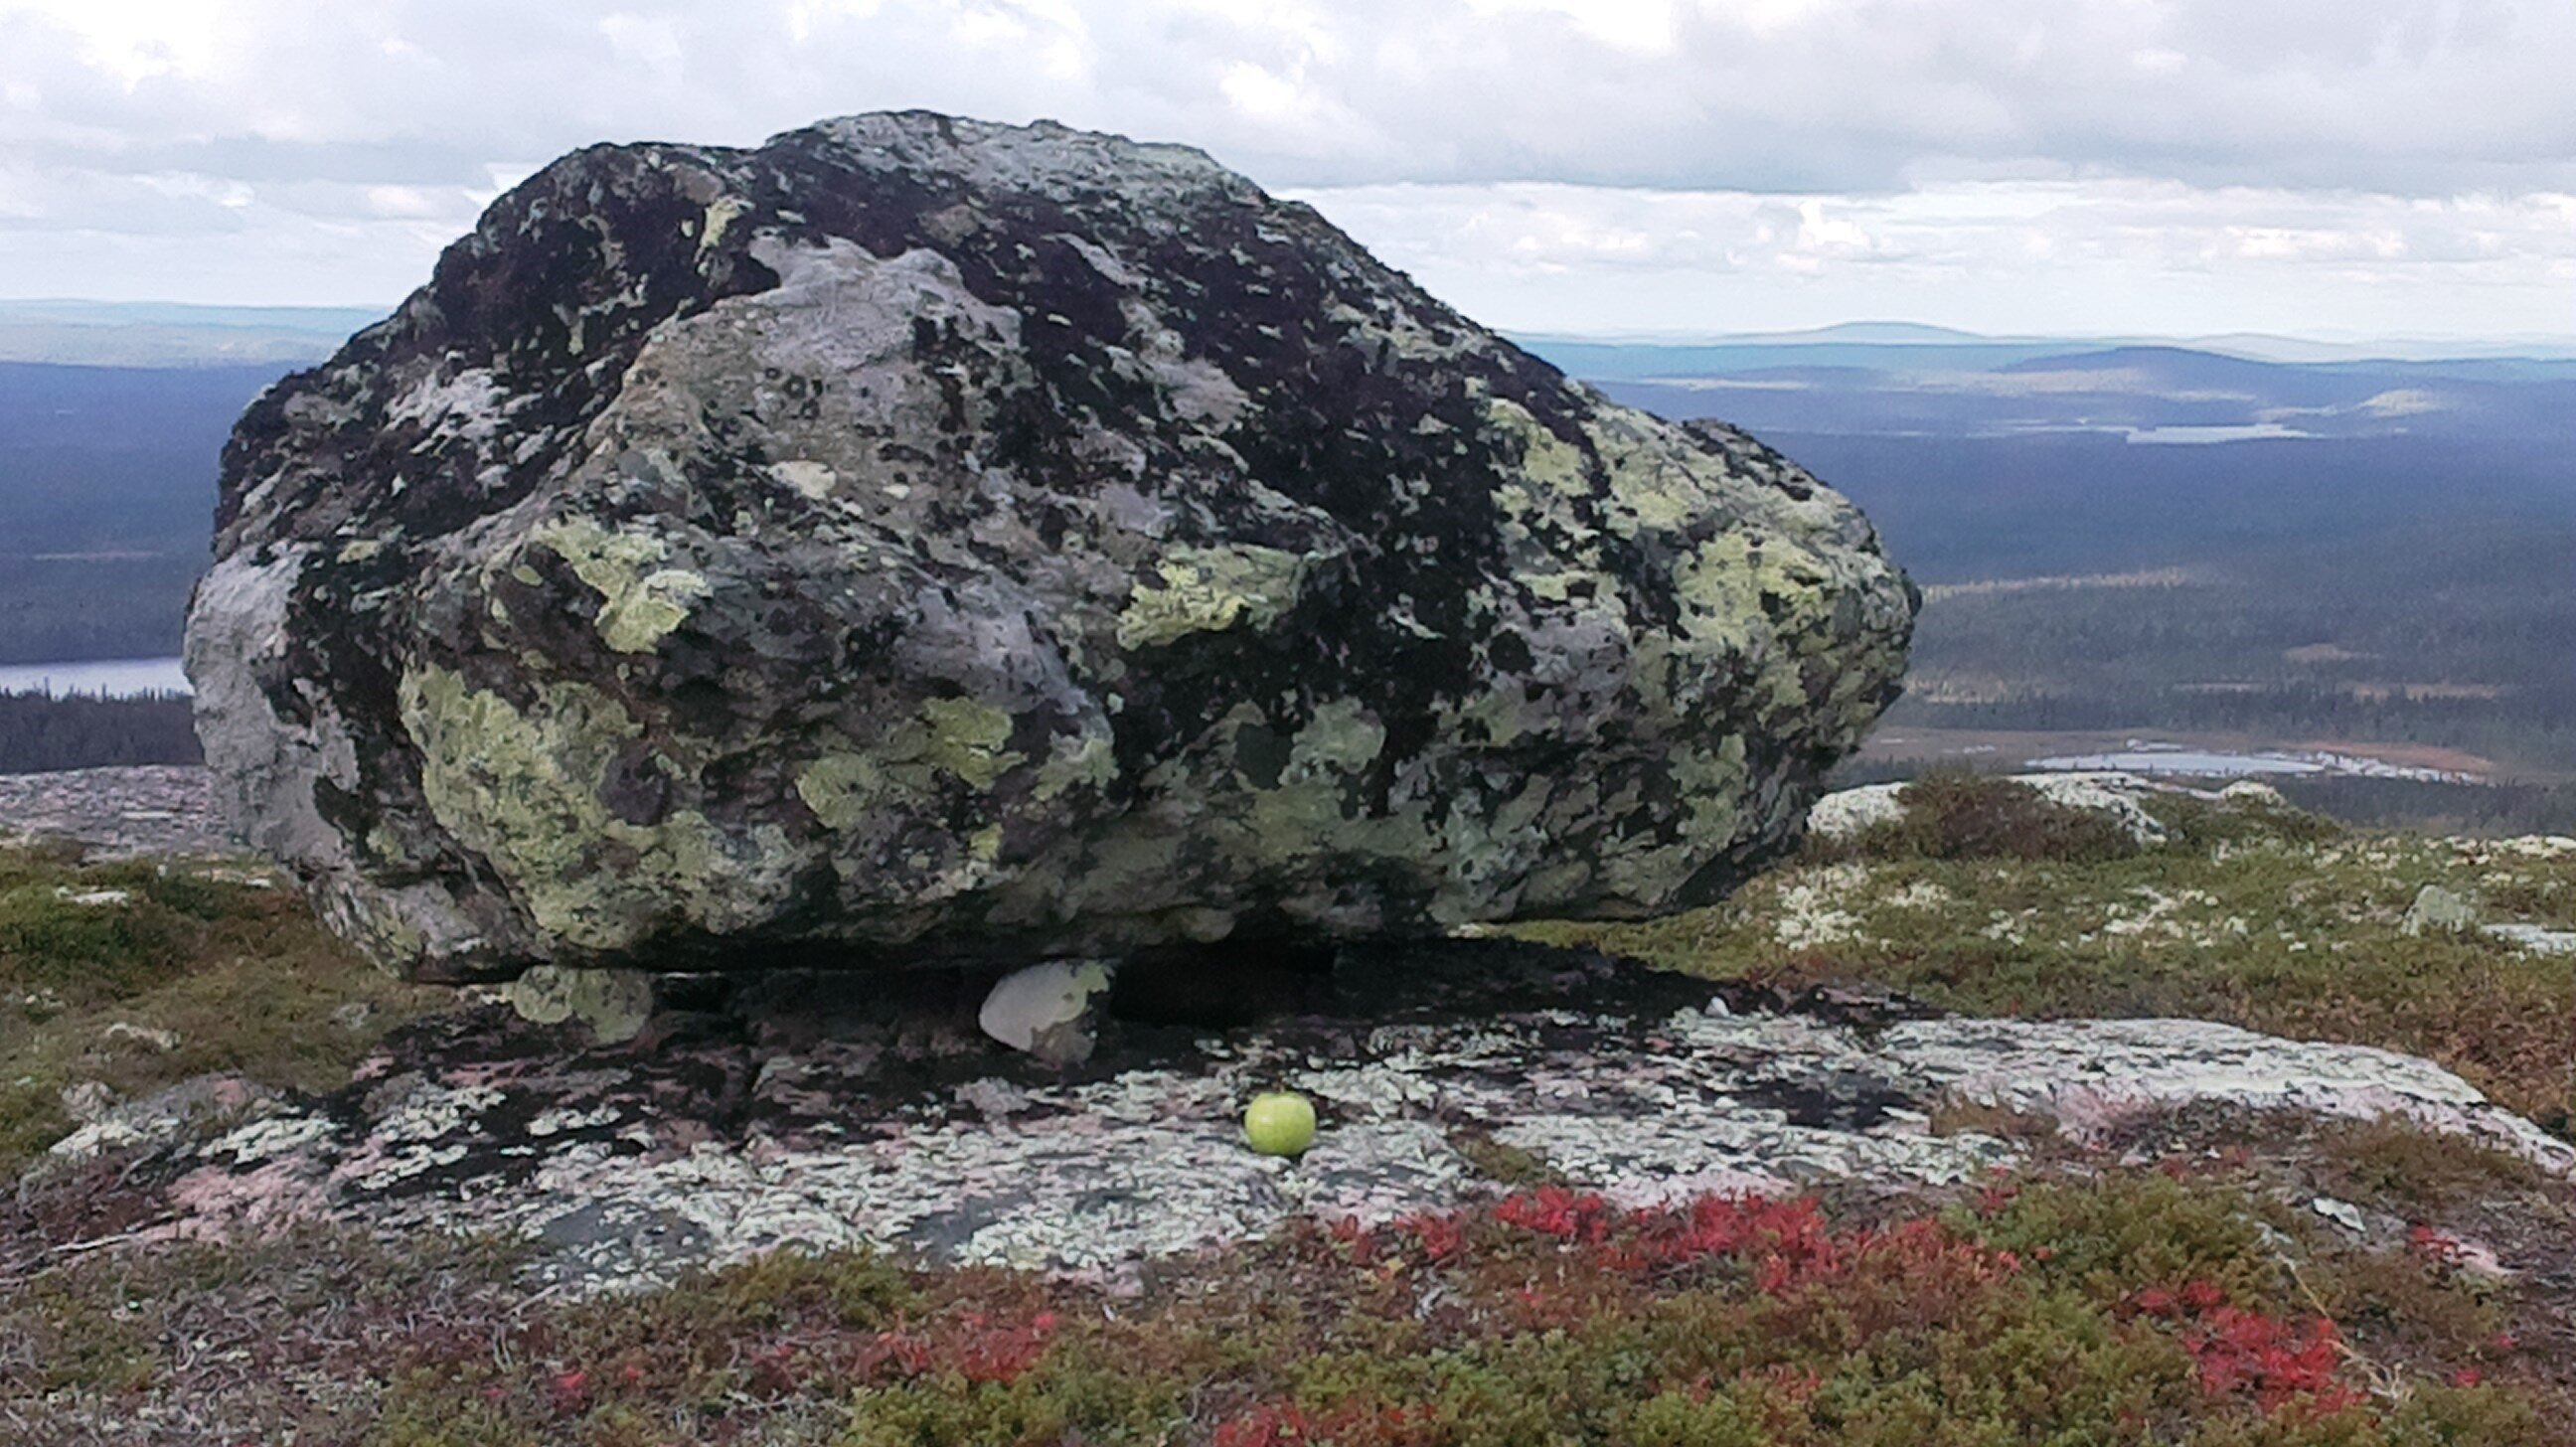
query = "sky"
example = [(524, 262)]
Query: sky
[(2337, 169)]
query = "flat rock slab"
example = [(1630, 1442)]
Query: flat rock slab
[(119, 813), (916, 1136)]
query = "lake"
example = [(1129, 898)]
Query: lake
[(2155, 758), (97, 677)]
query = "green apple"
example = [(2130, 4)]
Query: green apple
[(1280, 1123)]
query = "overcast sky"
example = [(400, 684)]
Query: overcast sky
[(2314, 167)]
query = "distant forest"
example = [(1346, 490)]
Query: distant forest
[(107, 486), (2386, 591), (2461, 635), (39, 734)]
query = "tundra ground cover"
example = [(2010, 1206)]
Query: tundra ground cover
[(2209, 1281), (128, 977), (2178, 1302), (2259, 917)]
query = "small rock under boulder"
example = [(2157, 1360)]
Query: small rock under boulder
[(919, 539), (1050, 1010), (614, 1006)]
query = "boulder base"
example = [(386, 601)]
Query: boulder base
[(919, 539)]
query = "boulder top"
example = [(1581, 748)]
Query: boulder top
[(565, 275)]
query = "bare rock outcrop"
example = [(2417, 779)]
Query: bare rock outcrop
[(818, 1118)]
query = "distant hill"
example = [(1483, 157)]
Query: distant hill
[(2147, 392), (1649, 361), (1900, 338), (169, 335), (2166, 360)]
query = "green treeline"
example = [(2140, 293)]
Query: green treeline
[(2457, 635), (40, 734)]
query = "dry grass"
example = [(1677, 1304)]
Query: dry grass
[(136, 976)]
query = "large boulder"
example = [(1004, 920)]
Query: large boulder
[(919, 539)]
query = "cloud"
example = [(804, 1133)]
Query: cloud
[(364, 125), (2395, 95), (2043, 256)]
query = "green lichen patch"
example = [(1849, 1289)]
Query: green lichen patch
[(523, 789), (1209, 590), (967, 738), (960, 742), (640, 603), (843, 790)]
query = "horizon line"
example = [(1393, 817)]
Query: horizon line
[(1628, 336)]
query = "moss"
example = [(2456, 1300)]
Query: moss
[(31, 1118), (1504, 1164), (85, 1340), (1955, 814), (2115, 1235), (2030, 1313), (2415, 1171), (242, 977), (84, 941)]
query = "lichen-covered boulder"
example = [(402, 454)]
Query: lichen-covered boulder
[(919, 539)]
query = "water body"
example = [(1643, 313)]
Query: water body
[(96, 677), (2173, 759), (2190, 436), (2181, 761)]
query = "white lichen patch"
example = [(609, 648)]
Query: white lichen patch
[(2535, 938), (2092, 1075), (1846, 812), (617, 1181), (812, 479), (1811, 911), (471, 406), (2115, 796), (2523, 847)]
